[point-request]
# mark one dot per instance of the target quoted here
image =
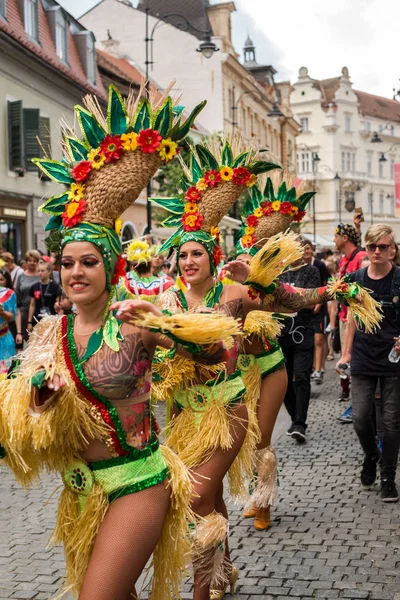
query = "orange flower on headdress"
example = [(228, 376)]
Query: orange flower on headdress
[(201, 185), (217, 255), (252, 180), (249, 230), (247, 241), (81, 171), (112, 147), (149, 140), (73, 213), (192, 222), (190, 207), (294, 211), (226, 173)]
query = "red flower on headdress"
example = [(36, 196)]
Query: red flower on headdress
[(119, 271), (241, 175), (267, 209), (251, 221), (192, 221), (81, 171), (193, 194), (211, 178), (148, 140), (112, 147), (217, 255), (285, 208), (73, 213), (299, 216)]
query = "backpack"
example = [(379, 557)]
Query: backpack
[(389, 300)]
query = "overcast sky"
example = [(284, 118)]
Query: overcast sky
[(324, 36)]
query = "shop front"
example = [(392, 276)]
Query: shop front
[(13, 231)]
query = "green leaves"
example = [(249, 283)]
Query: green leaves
[(53, 169), (91, 129), (304, 199), (173, 240), (163, 118), (178, 132), (241, 159), (269, 193), (282, 191), (172, 221), (256, 197), (291, 195), (54, 223), (143, 117), (173, 205), (261, 166), (116, 113), (195, 168), (111, 333), (76, 149), (206, 158), (55, 205), (227, 156)]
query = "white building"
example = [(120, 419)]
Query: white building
[(338, 126)]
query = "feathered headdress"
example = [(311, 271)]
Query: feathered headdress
[(217, 174), (139, 252)]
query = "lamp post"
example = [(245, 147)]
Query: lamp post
[(339, 180), (315, 160), (207, 49)]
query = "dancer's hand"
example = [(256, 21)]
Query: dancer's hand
[(128, 309), (55, 383), (237, 270)]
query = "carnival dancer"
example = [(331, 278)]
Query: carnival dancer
[(139, 280), (8, 313), (78, 399), (210, 421)]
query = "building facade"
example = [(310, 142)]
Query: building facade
[(47, 63), (347, 149)]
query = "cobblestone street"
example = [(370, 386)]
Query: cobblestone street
[(329, 538)]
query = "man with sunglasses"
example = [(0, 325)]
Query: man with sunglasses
[(369, 363)]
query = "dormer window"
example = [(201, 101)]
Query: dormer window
[(3, 8), (61, 36), (85, 44), (31, 19)]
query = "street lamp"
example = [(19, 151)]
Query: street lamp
[(207, 49), (339, 179), (276, 112)]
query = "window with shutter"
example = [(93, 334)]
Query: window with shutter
[(31, 134), (45, 143), (3, 8), (15, 135)]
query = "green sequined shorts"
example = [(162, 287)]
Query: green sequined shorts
[(268, 362), (199, 397), (118, 476)]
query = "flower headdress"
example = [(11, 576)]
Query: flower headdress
[(140, 252), (106, 170), (267, 213), (217, 174)]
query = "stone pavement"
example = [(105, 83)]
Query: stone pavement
[(329, 538)]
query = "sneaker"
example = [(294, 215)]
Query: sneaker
[(313, 374), (388, 491), (344, 397), (328, 329), (299, 434), (346, 416), (290, 430), (368, 471), (318, 377)]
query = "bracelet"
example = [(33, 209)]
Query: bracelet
[(29, 323), (19, 333)]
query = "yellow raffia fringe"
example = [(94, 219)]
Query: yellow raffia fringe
[(173, 552), (195, 443), (189, 327), (242, 467), (208, 548), (261, 323), (52, 440), (366, 311), (275, 256), (77, 531), (265, 482), (179, 372)]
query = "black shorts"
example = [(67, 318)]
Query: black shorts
[(320, 322)]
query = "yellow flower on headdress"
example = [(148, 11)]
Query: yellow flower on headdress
[(76, 191), (247, 239), (249, 230), (118, 226), (294, 211), (129, 141), (252, 180), (226, 173), (258, 213), (201, 185), (167, 149), (96, 158), (276, 205), (214, 231), (138, 252), (190, 207), (190, 220)]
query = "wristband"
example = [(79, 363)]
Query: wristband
[(29, 322), (19, 333)]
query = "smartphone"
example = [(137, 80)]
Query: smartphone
[(359, 211)]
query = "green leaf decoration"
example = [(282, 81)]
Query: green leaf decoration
[(178, 132), (269, 193), (54, 223), (178, 110), (291, 195), (173, 205), (93, 132), (110, 333), (55, 205), (261, 166), (171, 241), (247, 207), (173, 221), (206, 158), (256, 197), (195, 168), (227, 156), (116, 113), (53, 241), (281, 194), (163, 118), (143, 116), (53, 169), (241, 159), (183, 184), (304, 199), (94, 344), (76, 149)]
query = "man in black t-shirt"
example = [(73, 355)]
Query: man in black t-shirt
[(369, 363), (43, 294)]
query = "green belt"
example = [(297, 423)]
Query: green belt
[(267, 361), (199, 397), (118, 479)]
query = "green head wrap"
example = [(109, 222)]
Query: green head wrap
[(209, 242)]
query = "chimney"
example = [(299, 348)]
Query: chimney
[(220, 19)]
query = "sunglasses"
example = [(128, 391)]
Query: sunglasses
[(382, 247)]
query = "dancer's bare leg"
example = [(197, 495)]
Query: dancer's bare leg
[(126, 539), (273, 390)]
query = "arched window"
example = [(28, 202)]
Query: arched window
[(128, 232)]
